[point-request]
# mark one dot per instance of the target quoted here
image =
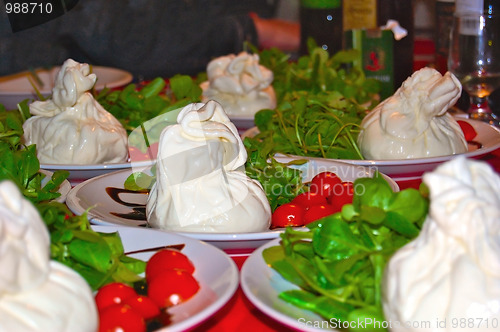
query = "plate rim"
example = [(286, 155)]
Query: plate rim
[(97, 167), (211, 237), (257, 302), (127, 78), (401, 162)]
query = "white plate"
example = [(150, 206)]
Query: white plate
[(214, 270), (80, 173), (262, 285), (91, 196), (17, 87), (487, 135)]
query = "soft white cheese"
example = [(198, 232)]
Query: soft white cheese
[(37, 294), (414, 122), (240, 84), (201, 185), (449, 276), (72, 127)]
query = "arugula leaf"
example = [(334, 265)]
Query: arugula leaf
[(321, 100), (136, 103), (98, 257)]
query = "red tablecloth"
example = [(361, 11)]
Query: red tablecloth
[(239, 314)]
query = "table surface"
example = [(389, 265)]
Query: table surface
[(239, 314)]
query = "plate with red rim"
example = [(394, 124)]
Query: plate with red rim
[(215, 271), (106, 202), (19, 86), (486, 141)]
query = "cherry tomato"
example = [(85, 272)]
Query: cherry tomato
[(120, 318), (309, 199), (167, 259), (288, 215), (469, 131), (143, 305), (171, 287), (316, 212), (324, 183), (341, 197), (113, 293)]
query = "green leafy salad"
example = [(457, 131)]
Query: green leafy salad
[(321, 102), (98, 257), (137, 103), (338, 262)]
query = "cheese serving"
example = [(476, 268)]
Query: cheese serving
[(240, 84), (449, 276), (201, 185), (414, 122), (37, 294), (72, 127)]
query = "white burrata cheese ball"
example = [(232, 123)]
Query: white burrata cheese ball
[(201, 185), (37, 294), (240, 84), (72, 127), (414, 122), (449, 276)]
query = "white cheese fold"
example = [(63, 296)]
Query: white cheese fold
[(201, 185), (72, 127), (414, 122), (240, 84), (37, 294), (449, 275)]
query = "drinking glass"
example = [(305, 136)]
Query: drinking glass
[(474, 58)]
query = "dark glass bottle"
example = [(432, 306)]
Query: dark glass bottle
[(492, 7), (444, 21), (322, 21), (401, 11)]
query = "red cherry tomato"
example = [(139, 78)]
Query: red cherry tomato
[(113, 293), (288, 215), (309, 199), (341, 197), (171, 287), (143, 305), (120, 318), (469, 131), (324, 183), (316, 212), (167, 259)]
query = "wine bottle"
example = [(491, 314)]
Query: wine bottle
[(383, 57), (401, 11), (321, 20), (445, 10)]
